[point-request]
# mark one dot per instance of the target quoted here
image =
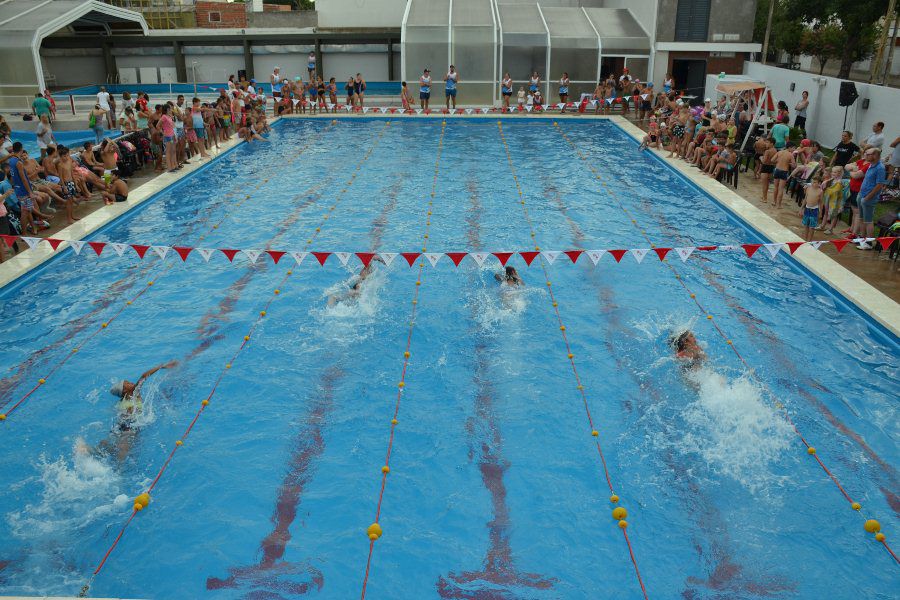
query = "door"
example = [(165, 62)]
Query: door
[(690, 77)]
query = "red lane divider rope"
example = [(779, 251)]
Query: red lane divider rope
[(374, 530), (142, 500), (619, 513), (167, 268), (870, 525)]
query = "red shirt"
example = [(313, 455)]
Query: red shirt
[(141, 104), (856, 184)]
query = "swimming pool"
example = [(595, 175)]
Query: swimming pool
[(495, 486), (373, 88)]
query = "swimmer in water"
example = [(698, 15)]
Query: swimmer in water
[(128, 408), (688, 350), (356, 286), (509, 277)]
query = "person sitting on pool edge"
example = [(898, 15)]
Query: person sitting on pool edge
[(687, 349), (128, 408), (509, 277)]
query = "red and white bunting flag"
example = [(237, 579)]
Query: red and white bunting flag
[(773, 249), (751, 249), (617, 254), (295, 101), (119, 248), (54, 242), (503, 257), (410, 257), (384, 109), (275, 255), (792, 246), (418, 111), (479, 257), (528, 108), (574, 255), (433, 257), (684, 253), (161, 251), (329, 105), (365, 109), (140, 250), (886, 241), (729, 247), (839, 244), (321, 257), (251, 255), (77, 245), (661, 252), (98, 247), (529, 257), (551, 255), (365, 257), (595, 255), (639, 254), (468, 111), (31, 241), (229, 253), (816, 245), (299, 256), (457, 257), (206, 253), (388, 257), (343, 257), (9, 240), (183, 251)]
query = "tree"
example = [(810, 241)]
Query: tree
[(824, 43), (786, 31)]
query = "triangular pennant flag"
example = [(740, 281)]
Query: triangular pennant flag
[(618, 254), (751, 249), (229, 253), (468, 111), (529, 257), (329, 105), (10, 240), (639, 253), (295, 101), (551, 255), (839, 244), (661, 252), (595, 255), (884, 241), (684, 253), (140, 249), (433, 257), (410, 256), (384, 109), (528, 108), (161, 251), (299, 256), (77, 245), (479, 257), (706, 248), (393, 110), (816, 245), (206, 253), (792, 246), (418, 111), (252, 255), (119, 248), (574, 255), (321, 257), (33, 241), (97, 246), (773, 249), (182, 251), (365, 257), (729, 247), (502, 256), (388, 257), (276, 255), (343, 257), (365, 109), (54, 243), (456, 257)]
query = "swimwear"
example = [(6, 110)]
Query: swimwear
[(767, 168), (678, 131), (779, 174), (810, 216), (534, 85), (69, 189), (450, 89), (121, 198)]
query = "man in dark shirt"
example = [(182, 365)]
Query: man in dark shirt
[(844, 151)]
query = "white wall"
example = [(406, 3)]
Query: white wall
[(825, 118), (360, 13), (372, 65), (74, 71), (214, 68), (291, 65), (145, 61)]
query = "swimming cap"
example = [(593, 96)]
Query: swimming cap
[(118, 389)]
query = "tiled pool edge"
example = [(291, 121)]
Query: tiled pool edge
[(26, 261), (876, 304)]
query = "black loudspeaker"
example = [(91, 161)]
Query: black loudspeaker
[(848, 94), (242, 75)]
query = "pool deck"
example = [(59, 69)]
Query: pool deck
[(884, 309)]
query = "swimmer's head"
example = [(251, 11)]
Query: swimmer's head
[(118, 389), (682, 340), (511, 274)]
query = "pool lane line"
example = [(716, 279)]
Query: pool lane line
[(870, 525), (166, 268), (618, 513), (374, 530), (143, 500)]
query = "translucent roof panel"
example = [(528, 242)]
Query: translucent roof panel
[(522, 25), (618, 30), (472, 13), (429, 12), (570, 28)]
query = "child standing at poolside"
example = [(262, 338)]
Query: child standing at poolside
[(837, 190), (64, 167), (521, 97), (406, 98), (811, 207)]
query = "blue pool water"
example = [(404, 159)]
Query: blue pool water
[(72, 139), (373, 88), (495, 488)]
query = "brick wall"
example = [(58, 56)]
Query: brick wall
[(215, 15)]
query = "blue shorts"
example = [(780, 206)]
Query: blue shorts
[(200, 133), (168, 139), (450, 93), (810, 217), (867, 209), (424, 95)]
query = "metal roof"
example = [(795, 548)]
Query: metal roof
[(44, 17)]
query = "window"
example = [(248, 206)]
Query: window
[(692, 21), (215, 17)]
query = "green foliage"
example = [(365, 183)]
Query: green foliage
[(786, 31), (824, 43), (295, 4)]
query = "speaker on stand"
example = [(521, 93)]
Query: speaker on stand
[(847, 97)]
